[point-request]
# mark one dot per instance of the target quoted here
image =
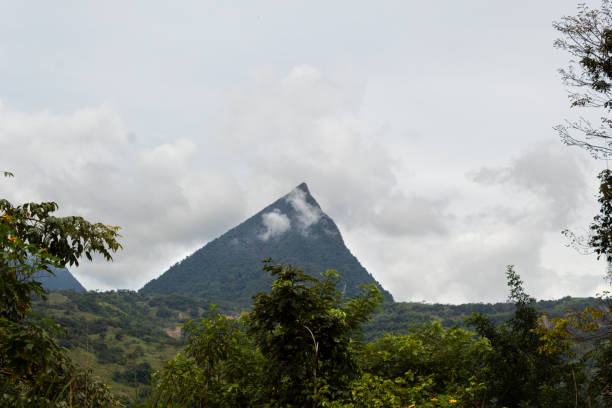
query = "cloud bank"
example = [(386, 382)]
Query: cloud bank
[(427, 229), (87, 162)]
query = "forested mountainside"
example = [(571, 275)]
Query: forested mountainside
[(62, 279), (398, 317), (292, 230), (124, 335)]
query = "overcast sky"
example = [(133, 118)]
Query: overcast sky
[(424, 129)]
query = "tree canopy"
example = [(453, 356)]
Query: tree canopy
[(34, 370), (587, 37)]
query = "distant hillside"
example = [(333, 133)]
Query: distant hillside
[(292, 230), (400, 317), (123, 336), (63, 279)]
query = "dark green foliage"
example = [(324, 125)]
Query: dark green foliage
[(129, 314), (140, 374), (602, 384), (34, 370), (429, 362), (449, 356), (297, 341), (601, 228), (163, 312), (300, 347), (305, 330), (123, 317), (517, 373), (106, 354), (228, 269), (402, 317), (221, 367), (115, 331)]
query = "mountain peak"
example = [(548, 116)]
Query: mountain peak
[(292, 230), (303, 187)]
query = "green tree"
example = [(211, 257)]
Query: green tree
[(306, 332), (587, 37), (518, 375), (220, 368), (449, 357), (34, 370)]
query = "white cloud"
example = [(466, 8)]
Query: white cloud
[(87, 162), (399, 215), (311, 121), (512, 214), (410, 213), (551, 173), (427, 226), (307, 214), (276, 224)]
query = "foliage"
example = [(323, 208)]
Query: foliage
[(127, 322), (34, 370), (447, 356), (402, 317), (117, 333), (517, 373), (305, 329), (601, 227), (220, 367), (300, 346), (428, 366), (33, 240), (373, 391), (587, 37)]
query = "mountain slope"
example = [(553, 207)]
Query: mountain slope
[(62, 280), (292, 230)]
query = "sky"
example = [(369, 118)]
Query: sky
[(424, 129)]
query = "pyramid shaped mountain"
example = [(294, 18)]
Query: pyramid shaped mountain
[(292, 230)]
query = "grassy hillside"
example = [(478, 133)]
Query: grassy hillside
[(124, 336)]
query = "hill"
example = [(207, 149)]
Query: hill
[(292, 230), (123, 335), (62, 280)]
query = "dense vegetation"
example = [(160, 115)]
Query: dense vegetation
[(121, 336), (124, 336), (301, 345), (34, 370), (228, 269)]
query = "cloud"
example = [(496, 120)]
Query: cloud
[(88, 163), (427, 228), (399, 215), (437, 230), (311, 121), (307, 214), (276, 224), (511, 214), (552, 173)]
